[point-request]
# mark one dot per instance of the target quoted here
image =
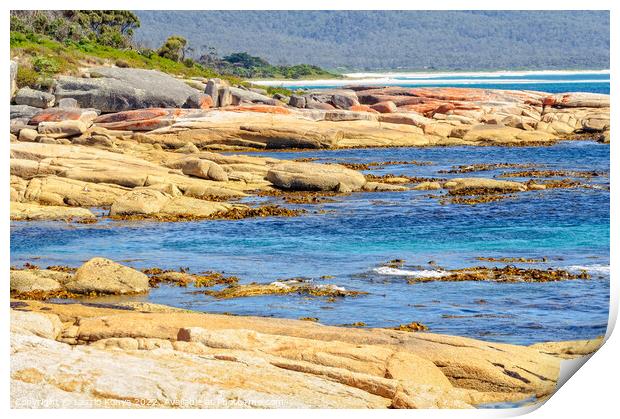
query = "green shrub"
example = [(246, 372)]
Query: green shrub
[(46, 66), (26, 77), (272, 90)]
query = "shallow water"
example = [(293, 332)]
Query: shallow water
[(360, 232)]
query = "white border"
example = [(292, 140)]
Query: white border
[(591, 393)]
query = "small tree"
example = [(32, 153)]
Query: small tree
[(174, 48)]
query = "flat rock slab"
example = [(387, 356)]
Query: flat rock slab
[(298, 363), (21, 211)]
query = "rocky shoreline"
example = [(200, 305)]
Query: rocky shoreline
[(79, 355), (125, 144), (111, 140), (68, 354)]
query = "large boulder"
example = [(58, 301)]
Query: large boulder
[(36, 98), (344, 101), (107, 277), (112, 89), (198, 101), (219, 90), (297, 101), (315, 177)]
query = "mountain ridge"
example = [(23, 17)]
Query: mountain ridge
[(403, 40)]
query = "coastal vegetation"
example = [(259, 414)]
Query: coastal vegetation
[(49, 43)]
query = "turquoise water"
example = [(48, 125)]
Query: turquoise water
[(352, 237), (558, 82), (361, 231)]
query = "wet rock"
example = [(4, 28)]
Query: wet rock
[(30, 97), (105, 276), (113, 89), (507, 274), (315, 177)]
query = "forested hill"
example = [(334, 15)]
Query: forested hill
[(413, 40)]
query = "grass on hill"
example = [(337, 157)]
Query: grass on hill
[(40, 58)]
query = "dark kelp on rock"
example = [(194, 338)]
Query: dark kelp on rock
[(508, 273), (300, 287)]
